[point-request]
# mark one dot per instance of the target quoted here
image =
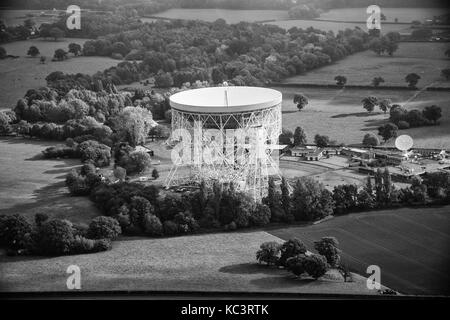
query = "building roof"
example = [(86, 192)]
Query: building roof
[(225, 99)]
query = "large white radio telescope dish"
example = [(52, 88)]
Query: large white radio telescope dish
[(404, 142)]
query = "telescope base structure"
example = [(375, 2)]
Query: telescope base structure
[(244, 148)]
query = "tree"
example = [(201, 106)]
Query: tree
[(388, 131), (3, 53), (60, 54), (285, 137), (369, 103), (285, 197), (120, 173), (269, 253), (385, 105), (56, 33), (33, 51), (328, 247), (376, 81), (299, 137), (432, 113), (133, 124), (321, 141), (311, 201), (445, 73), (155, 174), (412, 79), (345, 198), (376, 46), (370, 140), (163, 80), (5, 126), (137, 162), (340, 80), (447, 53), (75, 49), (301, 101)]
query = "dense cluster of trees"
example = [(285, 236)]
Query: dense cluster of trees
[(141, 210), (292, 255), (385, 44), (56, 237), (405, 119), (244, 54), (303, 12)]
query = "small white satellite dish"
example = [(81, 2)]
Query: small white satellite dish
[(404, 142)]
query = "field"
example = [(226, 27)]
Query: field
[(410, 246), (405, 15), (338, 113), (19, 75), (199, 263), (31, 184), (17, 17), (425, 59), (230, 16)]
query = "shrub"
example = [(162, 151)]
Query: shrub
[(328, 247), (186, 222), (13, 231), (170, 228), (60, 152), (231, 226), (55, 237), (260, 215), (40, 218), (291, 248), (104, 228), (80, 229), (315, 265), (102, 245), (81, 245), (402, 125), (269, 253), (152, 225)]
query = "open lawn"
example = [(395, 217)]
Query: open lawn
[(30, 184), (402, 14), (24, 73), (339, 114), (425, 59), (230, 16), (220, 262), (411, 246)]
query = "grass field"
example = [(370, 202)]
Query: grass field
[(19, 75), (17, 17), (230, 16), (339, 114), (202, 263), (402, 14), (411, 246), (30, 185), (425, 59)]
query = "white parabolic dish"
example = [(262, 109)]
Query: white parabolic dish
[(404, 142), (225, 99)]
